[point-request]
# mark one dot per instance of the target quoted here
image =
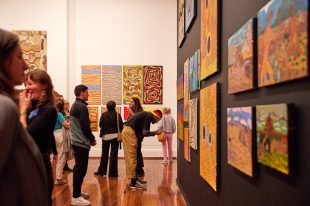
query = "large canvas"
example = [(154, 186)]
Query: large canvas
[(193, 115), (187, 154), (132, 82), (152, 84), (241, 59), (194, 72), (180, 120), (240, 139), (91, 77), (209, 119), (181, 22), (34, 48), (190, 13), (282, 41), (112, 83), (273, 133), (180, 87), (209, 40), (93, 117), (186, 90)]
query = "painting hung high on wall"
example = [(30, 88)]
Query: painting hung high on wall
[(190, 13), (240, 139), (181, 22), (187, 154), (241, 58), (186, 90), (91, 77), (282, 41), (180, 120), (273, 135), (208, 136), (93, 117), (34, 48), (180, 87), (132, 82), (192, 124), (112, 83), (152, 84), (194, 72), (209, 40)]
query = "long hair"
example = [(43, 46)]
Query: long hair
[(42, 77), (138, 107), (8, 42), (60, 103)]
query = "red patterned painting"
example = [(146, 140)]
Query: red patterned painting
[(152, 84)]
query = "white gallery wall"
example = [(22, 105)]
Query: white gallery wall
[(102, 32)]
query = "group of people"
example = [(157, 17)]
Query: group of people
[(29, 132)]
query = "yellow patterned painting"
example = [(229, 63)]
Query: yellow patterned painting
[(33, 45), (132, 82), (209, 38), (93, 117), (209, 134), (91, 77)]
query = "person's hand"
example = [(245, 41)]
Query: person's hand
[(93, 143), (157, 132), (55, 158)]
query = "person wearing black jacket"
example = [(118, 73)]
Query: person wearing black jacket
[(108, 133), (82, 139)]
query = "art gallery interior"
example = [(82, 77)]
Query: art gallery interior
[(220, 161)]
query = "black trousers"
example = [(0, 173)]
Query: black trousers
[(49, 175), (80, 168), (140, 163), (113, 172)]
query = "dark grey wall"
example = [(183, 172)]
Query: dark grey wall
[(236, 189)]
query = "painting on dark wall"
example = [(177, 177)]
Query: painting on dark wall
[(180, 120), (194, 72), (190, 13), (181, 22), (180, 87), (282, 41)]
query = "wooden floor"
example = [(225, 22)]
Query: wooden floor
[(161, 189)]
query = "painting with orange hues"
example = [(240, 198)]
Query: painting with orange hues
[(282, 41), (241, 58), (192, 124), (93, 117), (104, 109), (180, 87), (180, 120), (112, 83), (34, 48), (240, 139), (187, 154), (132, 82), (152, 84), (91, 77), (209, 38), (186, 90), (209, 119)]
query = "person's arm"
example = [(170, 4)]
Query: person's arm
[(85, 124), (101, 125), (173, 125), (146, 129), (120, 122)]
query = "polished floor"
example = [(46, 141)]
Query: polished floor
[(161, 189)]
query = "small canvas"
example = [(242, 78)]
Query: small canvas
[(93, 117), (180, 87), (180, 120), (193, 115), (194, 72), (181, 22), (186, 90), (240, 139), (190, 13), (91, 77), (187, 154)]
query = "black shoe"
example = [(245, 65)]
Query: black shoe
[(99, 174), (140, 174)]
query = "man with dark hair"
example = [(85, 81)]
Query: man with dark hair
[(82, 138), (136, 126)]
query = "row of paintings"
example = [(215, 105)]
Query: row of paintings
[(280, 37), (120, 83)]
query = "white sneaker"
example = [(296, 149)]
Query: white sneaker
[(84, 194), (79, 201)]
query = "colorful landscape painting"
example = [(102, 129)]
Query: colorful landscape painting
[(208, 128), (209, 39), (91, 77), (181, 22), (282, 41), (180, 120), (192, 124), (240, 139), (34, 47), (194, 72), (187, 154), (152, 84), (180, 87), (93, 117), (132, 82), (241, 59), (273, 136), (190, 13), (112, 83), (186, 90)]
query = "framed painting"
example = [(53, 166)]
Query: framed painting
[(190, 13), (209, 137), (187, 154), (240, 139), (209, 38), (274, 128), (152, 84), (282, 41), (194, 72), (180, 87), (91, 77), (241, 64), (93, 117), (192, 124), (181, 22), (180, 120), (132, 82), (112, 83), (186, 90)]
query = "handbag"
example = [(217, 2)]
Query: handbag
[(119, 134), (162, 137)]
